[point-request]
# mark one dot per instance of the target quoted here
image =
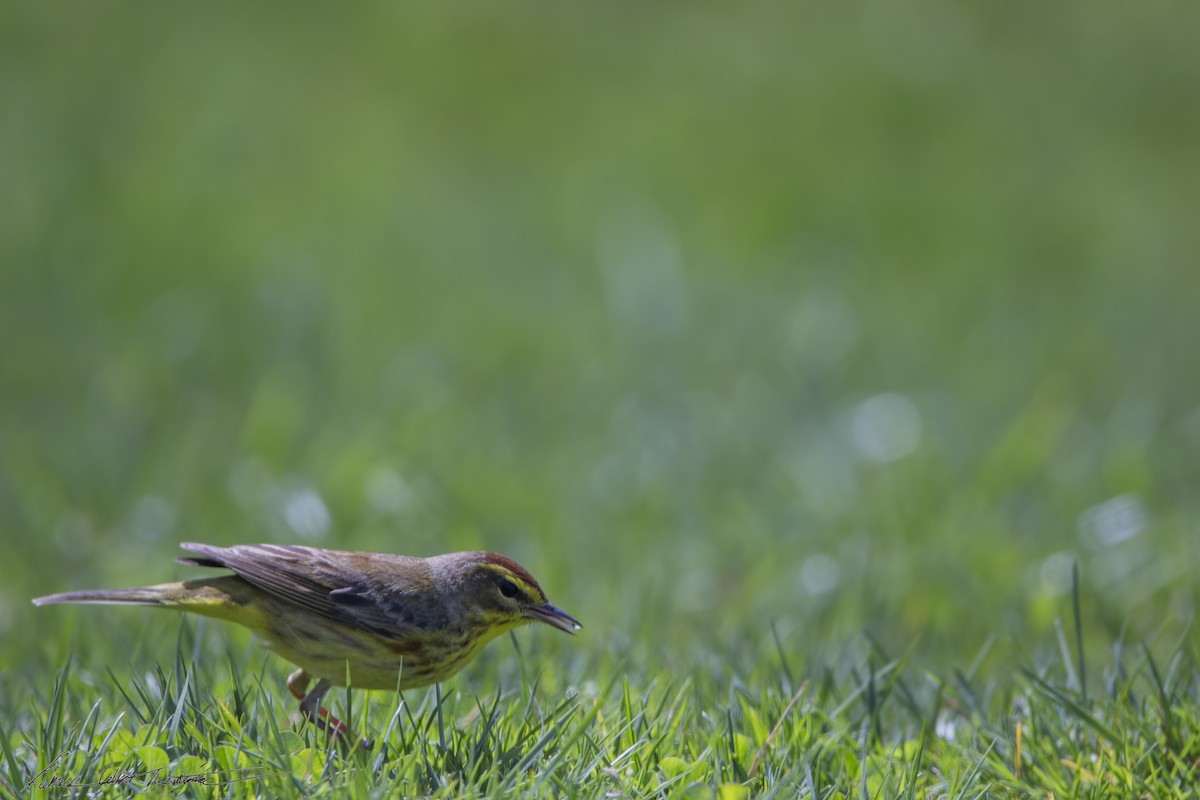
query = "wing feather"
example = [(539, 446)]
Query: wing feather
[(379, 593)]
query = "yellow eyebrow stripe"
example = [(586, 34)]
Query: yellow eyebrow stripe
[(525, 586)]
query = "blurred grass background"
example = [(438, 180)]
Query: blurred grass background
[(838, 317)]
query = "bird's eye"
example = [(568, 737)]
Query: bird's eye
[(508, 588)]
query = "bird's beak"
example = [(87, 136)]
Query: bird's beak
[(556, 618)]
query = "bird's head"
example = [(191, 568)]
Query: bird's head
[(500, 593)]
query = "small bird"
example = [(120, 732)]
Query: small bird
[(366, 620)]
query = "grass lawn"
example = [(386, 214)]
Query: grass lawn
[(204, 725), (835, 366)]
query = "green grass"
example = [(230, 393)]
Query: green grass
[(790, 346), (868, 726)]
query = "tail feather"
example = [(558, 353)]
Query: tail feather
[(225, 597), (149, 596)]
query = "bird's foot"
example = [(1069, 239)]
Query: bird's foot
[(310, 706)]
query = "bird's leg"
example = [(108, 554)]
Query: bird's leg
[(298, 684), (310, 705)]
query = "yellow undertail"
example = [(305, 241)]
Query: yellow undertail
[(227, 597)]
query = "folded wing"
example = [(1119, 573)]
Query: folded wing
[(384, 594)]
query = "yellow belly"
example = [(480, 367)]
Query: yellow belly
[(361, 660)]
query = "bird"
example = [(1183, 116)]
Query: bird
[(349, 618)]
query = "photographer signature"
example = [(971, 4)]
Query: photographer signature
[(153, 777)]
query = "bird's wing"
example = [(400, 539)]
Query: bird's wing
[(375, 592)]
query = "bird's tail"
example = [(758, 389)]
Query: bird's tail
[(226, 597), (146, 596)]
